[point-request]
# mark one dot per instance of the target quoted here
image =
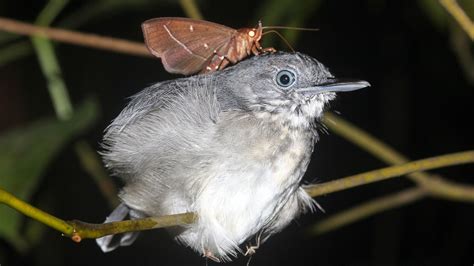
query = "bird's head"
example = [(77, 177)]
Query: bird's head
[(290, 87)]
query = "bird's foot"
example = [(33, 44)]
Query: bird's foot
[(253, 249), (208, 254)]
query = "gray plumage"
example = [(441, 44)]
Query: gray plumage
[(231, 146)]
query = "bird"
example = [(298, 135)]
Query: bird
[(232, 146)]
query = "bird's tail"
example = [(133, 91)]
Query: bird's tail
[(111, 242)]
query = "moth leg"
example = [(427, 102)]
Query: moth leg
[(269, 50), (258, 49), (224, 61), (220, 62), (216, 65)]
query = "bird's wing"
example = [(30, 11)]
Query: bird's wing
[(192, 96), (159, 120), (149, 99)]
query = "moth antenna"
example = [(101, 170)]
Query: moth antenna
[(281, 36), (289, 28)]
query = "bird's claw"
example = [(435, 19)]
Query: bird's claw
[(208, 254)]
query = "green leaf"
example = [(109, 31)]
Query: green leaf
[(24, 155)]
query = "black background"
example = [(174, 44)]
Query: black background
[(420, 103)]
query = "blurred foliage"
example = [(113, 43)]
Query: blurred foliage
[(435, 12), (460, 42), (286, 13), (438, 14), (89, 12), (49, 63), (26, 152)]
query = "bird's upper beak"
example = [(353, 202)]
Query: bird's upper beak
[(335, 85)]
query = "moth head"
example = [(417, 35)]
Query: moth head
[(256, 33), (253, 34)]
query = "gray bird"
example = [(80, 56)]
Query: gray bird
[(231, 146)]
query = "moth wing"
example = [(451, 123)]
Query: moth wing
[(184, 45)]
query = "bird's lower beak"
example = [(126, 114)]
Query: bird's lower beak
[(335, 85)]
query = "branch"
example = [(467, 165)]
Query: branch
[(367, 209), (365, 141), (78, 230), (432, 185), (460, 16), (384, 203), (34, 213), (77, 38), (88, 230), (435, 186)]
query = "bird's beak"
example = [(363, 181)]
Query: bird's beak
[(335, 85)]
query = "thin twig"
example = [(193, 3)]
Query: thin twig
[(367, 209), (77, 38), (431, 184), (460, 16), (34, 213), (79, 230), (84, 230), (377, 148), (399, 170)]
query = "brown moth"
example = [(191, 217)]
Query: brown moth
[(187, 46)]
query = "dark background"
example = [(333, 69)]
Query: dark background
[(420, 102)]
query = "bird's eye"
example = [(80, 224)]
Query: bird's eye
[(285, 78)]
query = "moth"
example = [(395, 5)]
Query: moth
[(188, 46)]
